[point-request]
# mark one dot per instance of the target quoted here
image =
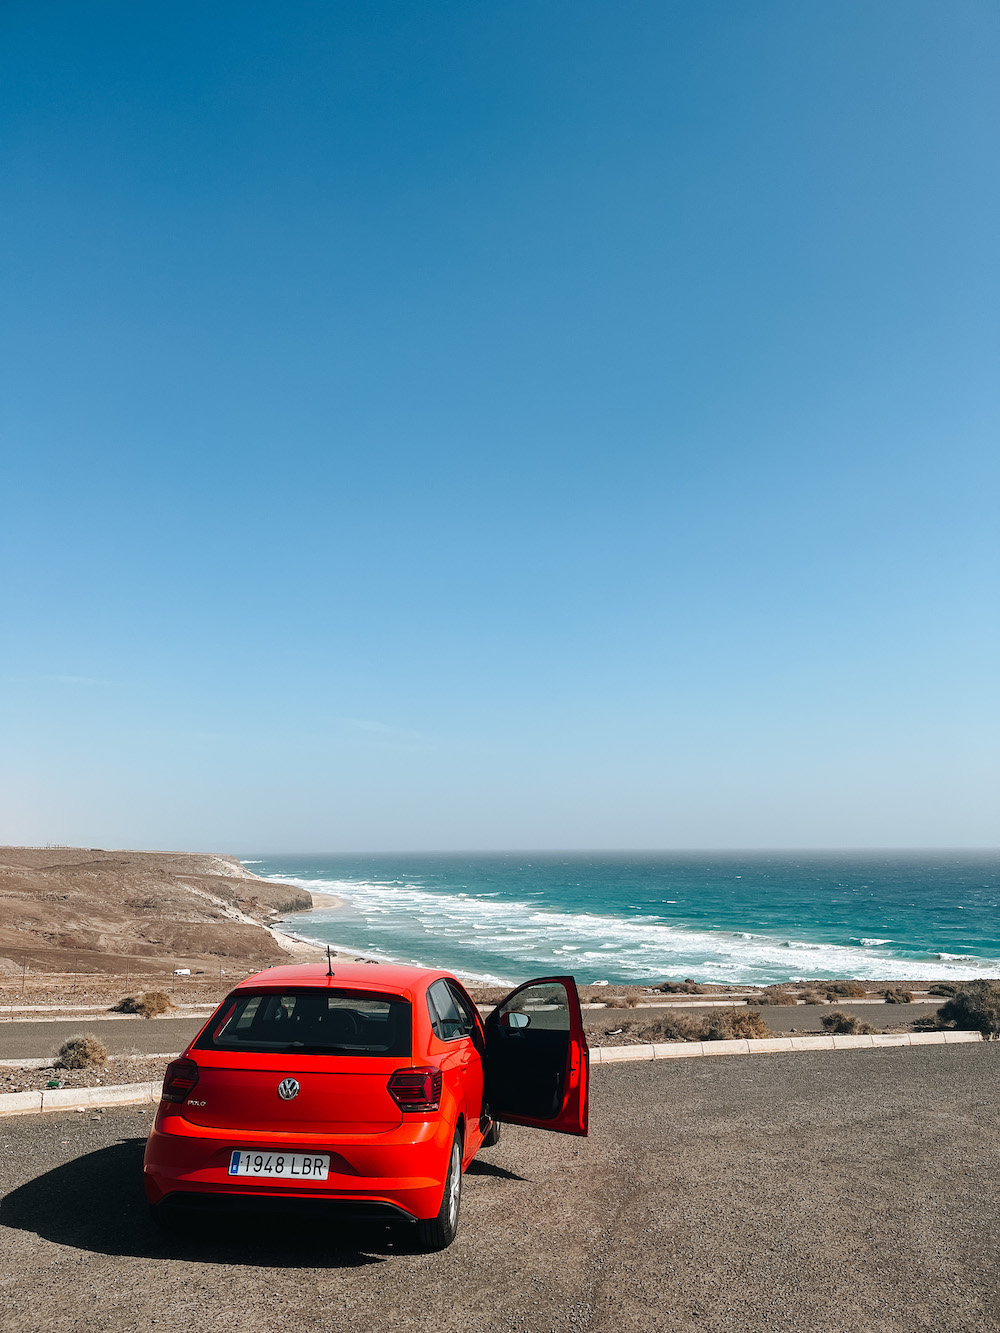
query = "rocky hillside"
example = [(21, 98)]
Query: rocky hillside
[(71, 908)]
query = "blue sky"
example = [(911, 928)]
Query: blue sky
[(482, 425)]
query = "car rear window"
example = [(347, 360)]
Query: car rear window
[(312, 1022)]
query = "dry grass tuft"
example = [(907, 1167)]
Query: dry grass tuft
[(723, 1025), (846, 1024), (83, 1052), (772, 995), (929, 1023), (673, 1027), (896, 995), (730, 1024), (845, 989), (812, 997), (149, 1005)]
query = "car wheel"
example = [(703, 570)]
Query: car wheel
[(492, 1136), (437, 1233)]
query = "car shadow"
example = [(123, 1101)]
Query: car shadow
[(96, 1203), (477, 1167)]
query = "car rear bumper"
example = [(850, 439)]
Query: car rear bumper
[(400, 1173), (209, 1203)]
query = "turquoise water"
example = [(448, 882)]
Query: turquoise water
[(638, 918)]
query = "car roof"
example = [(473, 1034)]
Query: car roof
[(351, 976)]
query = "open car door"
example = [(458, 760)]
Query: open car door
[(537, 1061)]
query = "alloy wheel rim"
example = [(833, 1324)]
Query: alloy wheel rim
[(454, 1184)]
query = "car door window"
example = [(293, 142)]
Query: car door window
[(470, 1019), (447, 1019), (546, 1008)]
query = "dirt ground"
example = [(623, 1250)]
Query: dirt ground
[(86, 910), (119, 1069)]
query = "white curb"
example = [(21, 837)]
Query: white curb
[(78, 1099), (679, 1050), (120, 1094)]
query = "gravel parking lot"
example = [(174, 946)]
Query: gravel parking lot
[(815, 1192)]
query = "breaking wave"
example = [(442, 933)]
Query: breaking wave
[(496, 938)]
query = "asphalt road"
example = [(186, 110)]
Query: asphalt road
[(802, 1193), (133, 1036), (160, 1036)]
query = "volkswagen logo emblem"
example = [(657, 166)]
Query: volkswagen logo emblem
[(288, 1088)]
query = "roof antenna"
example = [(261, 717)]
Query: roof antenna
[(329, 962)]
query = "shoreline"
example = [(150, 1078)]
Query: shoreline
[(325, 902), (295, 943)]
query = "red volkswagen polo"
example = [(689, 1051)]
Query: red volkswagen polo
[(361, 1093)]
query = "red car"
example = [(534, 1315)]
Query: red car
[(361, 1093)]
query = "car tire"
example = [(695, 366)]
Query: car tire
[(437, 1233), (492, 1136)]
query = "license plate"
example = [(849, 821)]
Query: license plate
[(297, 1165)]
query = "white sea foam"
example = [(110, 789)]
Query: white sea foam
[(465, 931)]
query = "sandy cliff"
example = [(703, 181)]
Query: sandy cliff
[(69, 907)]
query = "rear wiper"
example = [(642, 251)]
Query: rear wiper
[(342, 1050)]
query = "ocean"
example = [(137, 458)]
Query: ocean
[(646, 917)]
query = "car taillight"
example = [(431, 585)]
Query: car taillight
[(180, 1079), (416, 1089)]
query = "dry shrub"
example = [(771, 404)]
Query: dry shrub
[(812, 997), (673, 1027), (771, 995), (622, 1001), (149, 1005), (730, 1024), (688, 987), (929, 1023), (846, 989), (84, 1052), (943, 988), (897, 995), (723, 1025), (975, 1008), (846, 1024)]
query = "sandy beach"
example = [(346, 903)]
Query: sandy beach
[(325, 902)]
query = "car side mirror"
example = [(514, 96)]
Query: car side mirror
[(514, 1020)]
